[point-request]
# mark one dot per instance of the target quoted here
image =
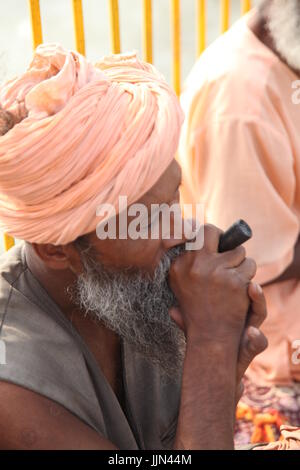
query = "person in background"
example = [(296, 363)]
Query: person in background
[(240, 156)]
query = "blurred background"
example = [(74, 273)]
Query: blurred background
[(57, 25)]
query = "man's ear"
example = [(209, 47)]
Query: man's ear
[(59, 257)]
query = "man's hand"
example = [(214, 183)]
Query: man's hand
[(212, 291), (253, 341)]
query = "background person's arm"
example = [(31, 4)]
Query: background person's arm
[(292, 271)]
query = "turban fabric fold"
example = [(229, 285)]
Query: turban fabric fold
[(84, 135)]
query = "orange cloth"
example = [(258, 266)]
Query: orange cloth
[(240, 154), (88, 134), (265, 423), (290, 440)]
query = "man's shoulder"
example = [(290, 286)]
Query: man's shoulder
[(11, 268), (18, 302), (39, 348), (29, 324), (237, 52)]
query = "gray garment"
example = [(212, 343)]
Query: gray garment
[(44, 353)]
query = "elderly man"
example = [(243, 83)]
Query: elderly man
[(111, 343), (240, 154)]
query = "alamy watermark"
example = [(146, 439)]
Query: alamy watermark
[(296, 353), (296, 93), (159, 221)]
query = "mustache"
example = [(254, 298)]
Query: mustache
[(93, 266)]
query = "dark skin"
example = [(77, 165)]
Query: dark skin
[(213, 290), (258, 25)]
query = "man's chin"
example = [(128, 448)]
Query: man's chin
[(136, 308)]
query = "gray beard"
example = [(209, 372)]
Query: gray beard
[(135, 306), (283, 21)]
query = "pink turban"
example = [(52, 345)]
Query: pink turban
[(84, 135)]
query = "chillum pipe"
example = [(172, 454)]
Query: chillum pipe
[(236, 235)]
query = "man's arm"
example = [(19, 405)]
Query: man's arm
[(207, 398), (208, 382), (212, 291), (29, 421)]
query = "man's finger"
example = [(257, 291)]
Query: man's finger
[(233, 258), (212, 237), (247, 269), (253, 343), (258, 309)]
